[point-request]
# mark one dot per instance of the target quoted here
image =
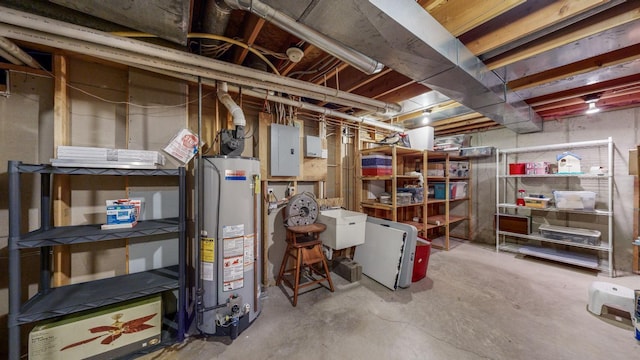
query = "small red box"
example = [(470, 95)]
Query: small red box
[(376, 171), (423, 250), (517, 169)]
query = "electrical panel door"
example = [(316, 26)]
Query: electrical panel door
[(285, 150)]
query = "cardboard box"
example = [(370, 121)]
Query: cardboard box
[(519, 224), (105, 333)]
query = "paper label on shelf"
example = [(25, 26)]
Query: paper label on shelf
[(206, 268), (207, 249), (248, 252)]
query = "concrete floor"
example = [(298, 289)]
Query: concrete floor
[(474, 304)]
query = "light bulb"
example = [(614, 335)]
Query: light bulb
[(592, 109)]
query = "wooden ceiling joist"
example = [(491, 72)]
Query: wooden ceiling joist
[(622, 14), (613, 58), (535, 20), (459, 17)]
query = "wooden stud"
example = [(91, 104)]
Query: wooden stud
[(61, 183)]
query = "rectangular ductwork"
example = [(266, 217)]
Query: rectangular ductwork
[(404, 37)]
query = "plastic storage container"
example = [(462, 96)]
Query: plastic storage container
[(421, 261), (575, 200), (345, 228), (403, 198), (376, 160), (536, 202), (417, 194), (576, 235), (458, 190), (517, 168)]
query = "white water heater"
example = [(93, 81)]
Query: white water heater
[(230, 245)]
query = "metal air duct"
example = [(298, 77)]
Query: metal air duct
[(358, 60), (404, 37)]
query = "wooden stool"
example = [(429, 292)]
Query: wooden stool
[(305, 248)]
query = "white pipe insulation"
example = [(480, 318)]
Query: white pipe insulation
[(133, 59), (232, 107), (261, 94), (17, 53), (158, 53), (352, 57)]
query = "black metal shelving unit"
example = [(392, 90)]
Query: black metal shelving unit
[(50, 301)]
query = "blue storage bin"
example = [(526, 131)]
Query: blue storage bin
[(376, 160)]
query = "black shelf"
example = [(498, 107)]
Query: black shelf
[(69, 299), (49, 169), (89, 233), (63, 300)]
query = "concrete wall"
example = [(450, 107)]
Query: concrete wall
[(621, 125)]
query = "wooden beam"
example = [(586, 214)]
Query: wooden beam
[(22, 68), (252, 29), (440, 107), (482, 126), (461, 124), (459, 17), (61, 183), (383, 85), (332, 73), (612, 58), (431, 5), (536, 20), (621, 14), (632, 80), (408, 91)]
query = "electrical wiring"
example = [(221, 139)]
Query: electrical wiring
[(206, 36)]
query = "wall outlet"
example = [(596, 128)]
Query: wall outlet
[(269, 190), (291, 191)]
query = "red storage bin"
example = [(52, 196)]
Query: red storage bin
[(517, 168), (421, 261)]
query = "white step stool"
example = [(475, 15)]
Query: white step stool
[(612, 295)]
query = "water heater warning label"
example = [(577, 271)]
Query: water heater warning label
[(207, 248), (233, 241), (235, 175)]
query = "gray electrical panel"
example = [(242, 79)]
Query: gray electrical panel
[(312, 147), (285, 150)]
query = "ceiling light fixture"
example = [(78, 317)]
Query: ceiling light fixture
[(592, 99), (592, 108), (426, 116)]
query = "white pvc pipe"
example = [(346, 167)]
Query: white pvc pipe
[(127, 57), (281, 100), (12, 59), (232, 107), (50, 26), (18, 53)]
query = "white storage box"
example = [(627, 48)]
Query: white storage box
[(106, 333), (575, 200), (576, 235), (344, 228)]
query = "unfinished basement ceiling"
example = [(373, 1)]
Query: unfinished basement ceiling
[(550, 55)]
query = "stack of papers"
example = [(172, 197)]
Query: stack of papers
[(82, 156)]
